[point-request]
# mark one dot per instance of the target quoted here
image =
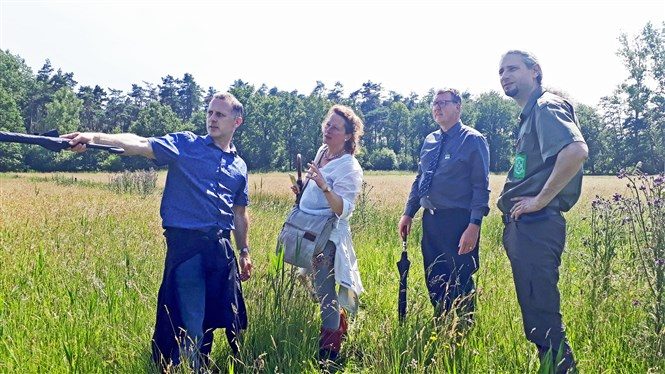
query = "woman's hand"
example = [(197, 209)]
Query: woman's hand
[(314, 174)]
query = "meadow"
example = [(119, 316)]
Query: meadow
[(80, 266)]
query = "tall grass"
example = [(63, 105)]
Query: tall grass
[(80, 269)]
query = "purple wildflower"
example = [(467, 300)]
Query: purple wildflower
[(658, 180), (616, 197)]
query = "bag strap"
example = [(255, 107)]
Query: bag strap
[(319, 155)]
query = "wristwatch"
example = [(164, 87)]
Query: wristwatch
[(244, 251), (327, 188)]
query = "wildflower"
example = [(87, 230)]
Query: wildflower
[(625, 220), (622, 174), (616, 197), (658, 180), (643, 188), (636, 302), (659, 262)]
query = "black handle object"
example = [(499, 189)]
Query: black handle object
[(403, 267), (299, 181), (50, 140)]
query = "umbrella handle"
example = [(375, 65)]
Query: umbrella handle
[(404, 243)]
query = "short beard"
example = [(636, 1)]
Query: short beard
[(512, 92)]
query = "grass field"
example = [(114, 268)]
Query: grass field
[(80, 266)]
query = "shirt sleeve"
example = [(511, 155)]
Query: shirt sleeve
[(480, 179), (241, 198), (413, 201), (348, 186), (167, 148), (556, 127)]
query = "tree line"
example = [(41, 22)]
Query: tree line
[(626, 127)]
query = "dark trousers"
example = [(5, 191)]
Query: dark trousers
[(534, 247), (200, 291), (448, 274)]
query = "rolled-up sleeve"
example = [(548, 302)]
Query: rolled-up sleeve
[(348, 187), (480, 179)]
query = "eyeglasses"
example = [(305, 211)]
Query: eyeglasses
[(441, 103)]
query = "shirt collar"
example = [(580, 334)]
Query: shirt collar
[(207, 139), (453, 131), (535, 95)]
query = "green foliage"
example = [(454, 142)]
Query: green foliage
[(382, 159), (10, 120), (154, 120), (63, 112), (635, 112), (494, 116), (16, 77), (627, 127)]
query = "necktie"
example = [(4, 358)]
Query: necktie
[(426, 182)]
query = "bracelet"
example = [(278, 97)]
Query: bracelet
[(244, 251)]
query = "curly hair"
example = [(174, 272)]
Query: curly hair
[(353, 126)]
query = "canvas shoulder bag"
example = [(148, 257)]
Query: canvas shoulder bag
[(304, 235)]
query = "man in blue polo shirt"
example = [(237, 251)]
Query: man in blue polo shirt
[(452, 187), (205, 198)]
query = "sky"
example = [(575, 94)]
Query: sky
[(407, 46)]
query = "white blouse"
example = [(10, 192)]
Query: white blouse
[(345, 177)]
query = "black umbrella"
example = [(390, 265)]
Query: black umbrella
[(50, 141), (403, 266)]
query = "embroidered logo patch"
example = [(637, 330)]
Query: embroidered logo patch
[(519, 166)]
